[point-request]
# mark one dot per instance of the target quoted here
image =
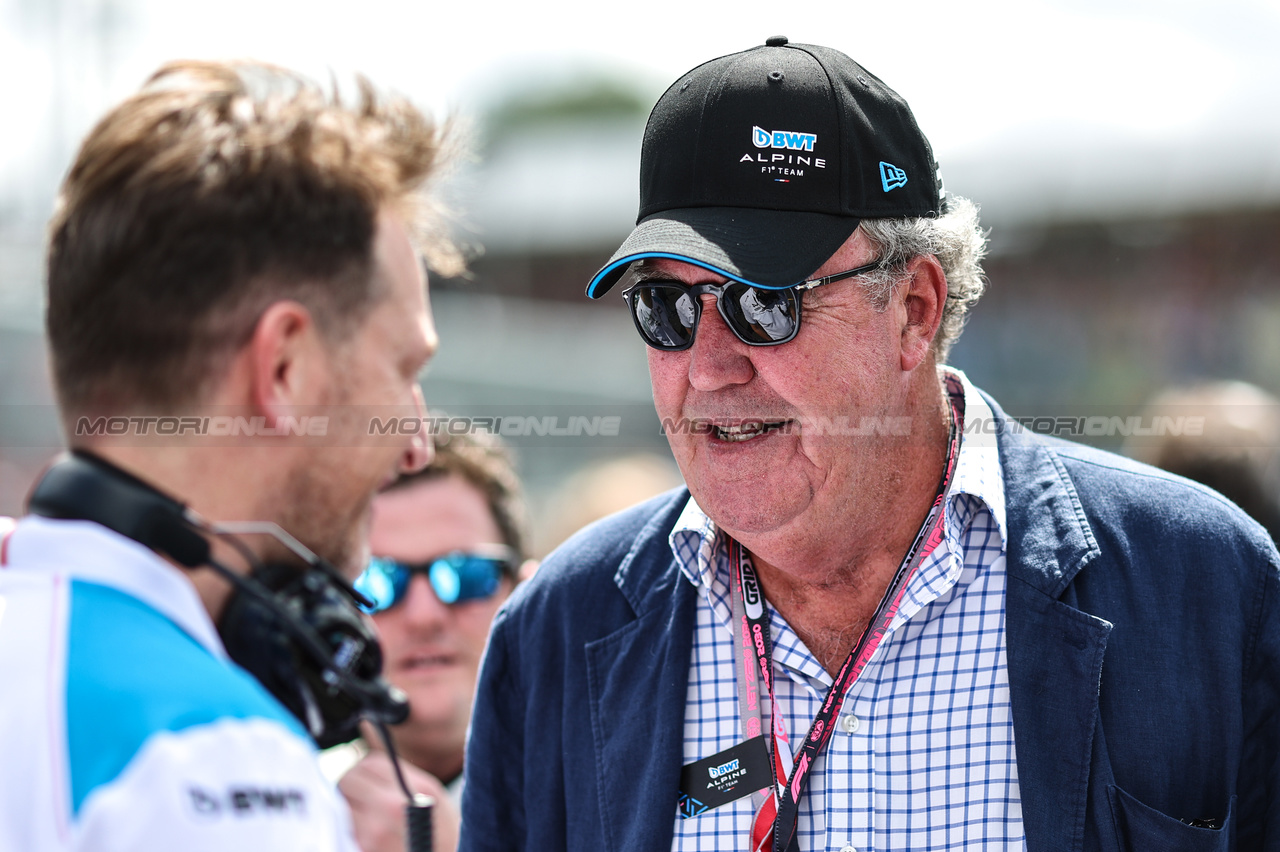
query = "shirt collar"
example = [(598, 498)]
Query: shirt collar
[(978, 473), (87, 551), (694, 537), (693, 541)]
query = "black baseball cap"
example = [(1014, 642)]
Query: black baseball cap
[(760, 164)]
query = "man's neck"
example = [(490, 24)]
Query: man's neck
[(203, 479)]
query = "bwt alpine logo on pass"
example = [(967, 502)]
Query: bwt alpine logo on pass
[(786, 139), (723, 769)]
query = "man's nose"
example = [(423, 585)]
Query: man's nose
[(717, 357), (421, 604)]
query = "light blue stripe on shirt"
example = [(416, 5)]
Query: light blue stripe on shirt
[(131, 672)]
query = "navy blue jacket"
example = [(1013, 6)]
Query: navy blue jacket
[(1143, 635)]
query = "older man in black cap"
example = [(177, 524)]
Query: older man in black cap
[(879, 617)]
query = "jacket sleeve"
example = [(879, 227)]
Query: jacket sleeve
[(1259, 788), (493, 798)]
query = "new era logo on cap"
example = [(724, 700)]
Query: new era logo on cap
[(892, 177)]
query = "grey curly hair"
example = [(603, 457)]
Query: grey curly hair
[(955, 239)]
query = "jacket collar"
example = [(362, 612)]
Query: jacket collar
[(644, 576), (1054, 649), (636, 679), (1049, 537)]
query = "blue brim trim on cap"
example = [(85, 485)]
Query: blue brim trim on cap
[(595, 291)]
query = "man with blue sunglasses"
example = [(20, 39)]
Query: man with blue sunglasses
[(449, 546), (881, 616)]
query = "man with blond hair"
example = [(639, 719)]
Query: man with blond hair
[(234, 252)]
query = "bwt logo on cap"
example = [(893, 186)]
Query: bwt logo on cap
[(787, 139)]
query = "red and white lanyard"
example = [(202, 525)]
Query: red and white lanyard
[(778, 813)]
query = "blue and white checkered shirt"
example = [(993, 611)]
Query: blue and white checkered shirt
[(923, 756)]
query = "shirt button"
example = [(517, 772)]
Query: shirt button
[(849, 847), (849, 724)]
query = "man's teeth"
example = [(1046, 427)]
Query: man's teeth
[(735, 434)]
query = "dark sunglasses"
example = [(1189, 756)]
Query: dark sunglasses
[(666, 313), (454, 577)]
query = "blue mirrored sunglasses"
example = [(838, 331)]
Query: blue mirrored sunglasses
[(454, 577)]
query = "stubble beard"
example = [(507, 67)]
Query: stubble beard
[(311, 497), (312, 514)]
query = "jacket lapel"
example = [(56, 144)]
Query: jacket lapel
[(1055, 666), (639, 744), (1055, 651)]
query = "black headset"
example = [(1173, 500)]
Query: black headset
[(297, 629)]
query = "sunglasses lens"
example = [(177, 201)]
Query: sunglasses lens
[(463, 577), (383, 582), (665, 314), (445, 581), (760, 316)]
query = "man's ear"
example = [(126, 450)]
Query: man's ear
[(288, 360), (923, 297)]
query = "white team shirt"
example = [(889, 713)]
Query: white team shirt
[(123, 724)]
